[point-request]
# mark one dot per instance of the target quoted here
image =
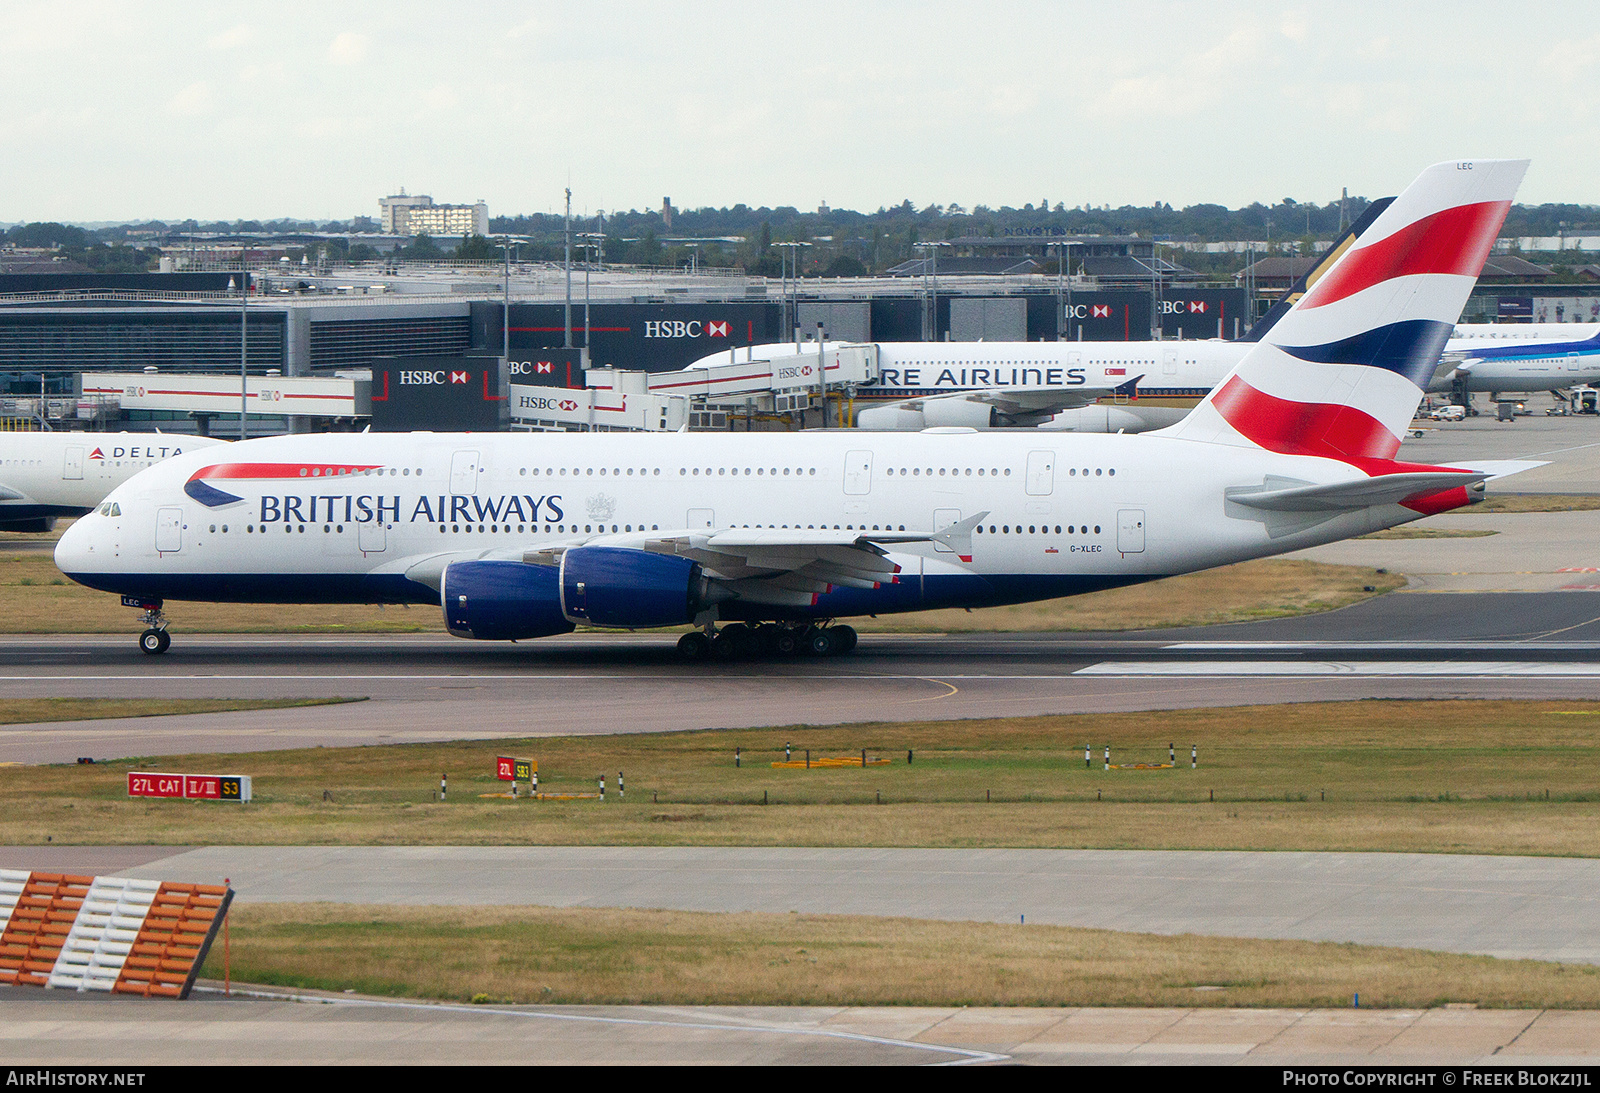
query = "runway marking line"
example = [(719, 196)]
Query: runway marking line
[(968, 1055), (954, 690)]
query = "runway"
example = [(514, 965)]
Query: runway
[(1502, 906), (1544, 908), (47, 1028), (424, 687)]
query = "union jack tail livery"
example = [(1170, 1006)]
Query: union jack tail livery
[(1342, 373)]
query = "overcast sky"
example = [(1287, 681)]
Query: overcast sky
[(224, 111)]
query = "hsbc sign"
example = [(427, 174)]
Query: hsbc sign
[(1088, 311), (693, 328), (1182, 311), (442, 393)]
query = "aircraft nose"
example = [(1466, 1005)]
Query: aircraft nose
[(75, 552)]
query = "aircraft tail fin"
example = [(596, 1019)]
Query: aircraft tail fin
[(1341, 374), (1323, 264)]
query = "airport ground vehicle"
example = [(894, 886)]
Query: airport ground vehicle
[(1453, 412), (773, 537)]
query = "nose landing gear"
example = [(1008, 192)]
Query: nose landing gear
[(155, 640)]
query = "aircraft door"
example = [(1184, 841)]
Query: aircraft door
[(1572, 363), (1130, 531), (943, 518), (169, 530), (74, 466), (1169, 362), (699, 518), (372, 536), (464, 473), (1041, 476), (858, 473)]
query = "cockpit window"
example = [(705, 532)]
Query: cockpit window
[(110, 508)]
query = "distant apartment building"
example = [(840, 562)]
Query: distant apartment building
[(416, 214)]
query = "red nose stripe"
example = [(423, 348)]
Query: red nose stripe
[(282, 470), (1453, 241)]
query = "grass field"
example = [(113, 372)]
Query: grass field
[(1427, 533), (1530, 502), (1447, 776), (36, 599), (31, 711), (595, 956)]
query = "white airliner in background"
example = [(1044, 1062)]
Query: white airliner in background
[(1521, 332), (1062, 385), (765, 539), (46, 475)]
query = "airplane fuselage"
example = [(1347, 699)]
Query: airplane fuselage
[(45, 475), (372, 518), (1187, 369)]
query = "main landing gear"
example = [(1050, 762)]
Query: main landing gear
[(155, 640), (737, 641)]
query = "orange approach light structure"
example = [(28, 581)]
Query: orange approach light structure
[(111, 934)]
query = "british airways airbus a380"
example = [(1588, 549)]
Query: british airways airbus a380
[(770, 538)]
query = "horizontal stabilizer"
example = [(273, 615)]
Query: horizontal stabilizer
[(1501, 468), (1359, 493)]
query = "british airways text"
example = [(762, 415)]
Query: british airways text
[(440, 509)]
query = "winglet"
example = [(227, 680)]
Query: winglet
[(958, 537)]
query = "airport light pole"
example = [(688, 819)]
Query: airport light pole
[(244, 339), (930, 329), (1064, 285), (926, 311), (791, 317), (1155, 294), (566, 233), (590, 241), (505, 314)]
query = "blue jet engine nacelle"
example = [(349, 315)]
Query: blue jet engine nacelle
[(502, 601), (630, 589)]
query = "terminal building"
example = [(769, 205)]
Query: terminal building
[(58, 331)]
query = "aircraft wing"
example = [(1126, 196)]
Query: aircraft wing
[(783, 566), (9, 494), (1013, 405)]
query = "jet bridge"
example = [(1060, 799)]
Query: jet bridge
[(774, 382), (620, 399)]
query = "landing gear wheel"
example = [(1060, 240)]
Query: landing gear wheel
[(819, 643), (155, 642), (844, 639), (735, 642), (694, 647), (786, 643)]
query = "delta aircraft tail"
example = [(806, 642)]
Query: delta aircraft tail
[(1341, 374)]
